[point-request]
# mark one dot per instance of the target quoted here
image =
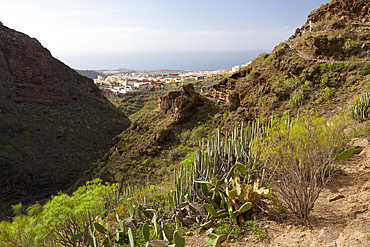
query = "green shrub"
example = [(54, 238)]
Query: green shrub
[(308, 83), (229, 227), (349, 44), (185, 136), (291, 83), (17, 209), (34, 210), (328, 93), (350, 67), (297, 97), (59, 218), (366, 69), (16, 233), (256, 228), (323, 68), (197, 134), (264, 55), (274, 99), (177, 153), (325, 78), (301, 155)]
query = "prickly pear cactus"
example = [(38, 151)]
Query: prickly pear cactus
[(245, 192)]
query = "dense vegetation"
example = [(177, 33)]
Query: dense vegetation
[(231, 177), (237, 174)]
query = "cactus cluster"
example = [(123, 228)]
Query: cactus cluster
[(246, 192), (221, 154), (226, 197), (360, 109), (149, 218), (225, 175), (110, 238), (183, 184), (217, 156)]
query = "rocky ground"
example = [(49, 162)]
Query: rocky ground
[(341, 216)]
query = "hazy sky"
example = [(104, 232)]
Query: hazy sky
[(86, 26)]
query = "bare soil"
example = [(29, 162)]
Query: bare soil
[(341, 216)]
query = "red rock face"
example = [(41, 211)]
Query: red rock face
[(6, 82), (181, 103), (224, 90), (54, 122), (348, 8), (29, 73)]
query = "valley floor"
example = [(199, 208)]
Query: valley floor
[(341, 216)]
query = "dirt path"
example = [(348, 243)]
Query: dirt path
[(301, 54), (341, 216), (293, 50)]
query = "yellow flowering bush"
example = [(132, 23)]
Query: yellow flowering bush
[(300, 155)]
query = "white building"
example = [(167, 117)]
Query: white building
[(121, 89), (128, 83), (239, 67), (140, 83)]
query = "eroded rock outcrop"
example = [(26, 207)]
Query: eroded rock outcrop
[(345, 9), (181, 103), (224, 90), (336, 31)]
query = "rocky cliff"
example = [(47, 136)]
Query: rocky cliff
[(337, 31), (182, 104), (54, 122), (31, 75)]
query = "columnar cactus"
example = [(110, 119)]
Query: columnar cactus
[(218, 156), (360, 109)]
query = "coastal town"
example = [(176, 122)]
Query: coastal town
[(125, 82)]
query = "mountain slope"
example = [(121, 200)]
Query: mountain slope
[(53, 122), (148, 151), (90, 73), (319, 68), (300, 74)]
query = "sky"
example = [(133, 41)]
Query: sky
[(81, 27)]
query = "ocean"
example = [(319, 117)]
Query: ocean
[(182, 60)]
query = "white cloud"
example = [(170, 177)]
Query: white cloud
[(99, 39), (75, 30), (69, 40)]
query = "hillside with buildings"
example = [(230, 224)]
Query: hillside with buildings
[(122, 83)]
